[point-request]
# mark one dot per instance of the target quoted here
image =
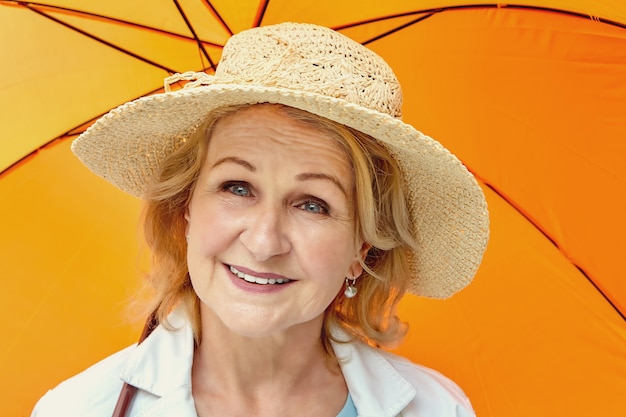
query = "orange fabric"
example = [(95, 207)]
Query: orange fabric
[(64, 63), (531, 101), (70, 265), (530, 337)]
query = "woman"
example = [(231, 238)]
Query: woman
[(288, 209)]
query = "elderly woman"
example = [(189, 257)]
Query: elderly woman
[(288, 209)]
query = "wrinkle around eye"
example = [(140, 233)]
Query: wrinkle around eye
[(237, 188)]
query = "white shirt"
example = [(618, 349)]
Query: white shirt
[(381, 384)]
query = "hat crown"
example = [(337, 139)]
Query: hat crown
[(312, 59)]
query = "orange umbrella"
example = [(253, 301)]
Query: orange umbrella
[(530, 97)]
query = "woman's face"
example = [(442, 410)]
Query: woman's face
[(270, 224)]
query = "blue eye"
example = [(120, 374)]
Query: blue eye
[(314, 207), (238, 189)]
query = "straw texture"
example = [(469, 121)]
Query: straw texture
[(323, 72)]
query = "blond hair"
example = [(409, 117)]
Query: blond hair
[(381, 220)]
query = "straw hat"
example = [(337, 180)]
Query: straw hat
[(323, 72)]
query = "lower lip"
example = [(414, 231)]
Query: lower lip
[(255, 288)]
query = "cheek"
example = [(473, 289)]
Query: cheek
[(205, 246), (330, 256), (209, 225), (207, 239), (200, 273), (203, 264)]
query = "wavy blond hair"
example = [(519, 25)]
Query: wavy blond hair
[(381, 220)]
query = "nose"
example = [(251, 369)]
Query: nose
[(265, 235)]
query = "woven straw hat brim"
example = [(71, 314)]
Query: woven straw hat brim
[(447, 206)]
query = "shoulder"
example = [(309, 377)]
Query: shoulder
[(92, 392), (433, 388)]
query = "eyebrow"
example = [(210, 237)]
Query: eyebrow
[(237, 161), (300, 177), (319, 176)]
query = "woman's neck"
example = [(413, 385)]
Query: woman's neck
[(262, 372)]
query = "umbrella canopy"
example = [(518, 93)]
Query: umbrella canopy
[(530, 96)]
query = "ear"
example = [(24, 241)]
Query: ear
[(356, 269)]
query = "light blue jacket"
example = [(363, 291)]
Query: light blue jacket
[(381, 384)]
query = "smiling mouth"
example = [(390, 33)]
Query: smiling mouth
[(257, 280)]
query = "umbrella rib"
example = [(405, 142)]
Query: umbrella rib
[(219, 17), (261, 13), (389, 32), (195, 36), (481, 6), (96, 38), (26, 4), (381, 18), (75, 131), (582, 271)]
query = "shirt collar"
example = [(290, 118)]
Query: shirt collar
[(162, 363), (376, 387)]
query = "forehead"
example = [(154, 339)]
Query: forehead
[(275, 125), (293, 143)]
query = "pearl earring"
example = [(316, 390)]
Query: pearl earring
[(351, 290)]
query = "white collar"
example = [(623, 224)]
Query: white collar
[(376, 387), (161, 365)]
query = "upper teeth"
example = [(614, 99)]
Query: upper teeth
[(257, 280)]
